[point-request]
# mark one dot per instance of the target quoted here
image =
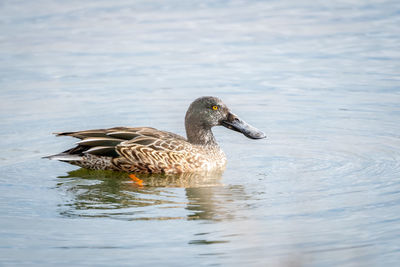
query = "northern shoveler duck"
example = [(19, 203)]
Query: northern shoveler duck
[(148, 150)]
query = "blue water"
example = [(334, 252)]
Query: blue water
[(321, 78)]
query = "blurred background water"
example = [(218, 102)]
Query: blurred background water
[(321, 78)]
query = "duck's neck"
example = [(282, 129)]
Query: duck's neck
[(200, 135)]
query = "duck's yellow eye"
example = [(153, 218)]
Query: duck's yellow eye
[(215, 107)]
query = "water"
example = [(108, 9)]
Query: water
[(320, 78)]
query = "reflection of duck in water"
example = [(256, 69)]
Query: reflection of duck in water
[(180, 180), (92, 193), (148, 150)]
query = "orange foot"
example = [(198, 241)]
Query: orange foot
[(136, 180)]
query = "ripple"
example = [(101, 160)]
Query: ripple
[(366, 157)]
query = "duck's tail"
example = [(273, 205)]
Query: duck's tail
[(64, 157)]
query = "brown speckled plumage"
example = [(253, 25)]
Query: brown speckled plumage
[(148, 150)]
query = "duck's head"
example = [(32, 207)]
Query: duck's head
[(207, 112)]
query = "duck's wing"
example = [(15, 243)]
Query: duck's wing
[(124, 133), (139, 149), (104, 142)]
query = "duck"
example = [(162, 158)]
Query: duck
[(148, 150)]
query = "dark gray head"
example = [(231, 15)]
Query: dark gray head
[(206, 112)]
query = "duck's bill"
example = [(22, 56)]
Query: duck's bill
[(238, 125)]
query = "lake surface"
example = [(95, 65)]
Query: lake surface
[(321, 78)]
